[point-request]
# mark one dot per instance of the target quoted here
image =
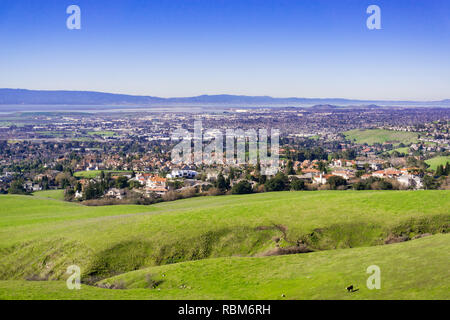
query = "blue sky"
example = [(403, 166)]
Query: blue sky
[(303, 48)]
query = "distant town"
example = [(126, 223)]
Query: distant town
[(124, 157)]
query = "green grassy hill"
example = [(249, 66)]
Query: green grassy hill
[(436, 161), (40, 237), (91, 174), (50, 194), (373, 136), (415, 269)]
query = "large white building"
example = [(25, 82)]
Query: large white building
[(189, 174)]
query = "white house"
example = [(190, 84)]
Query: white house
[(189, 174), (115, 193), (412, 181)]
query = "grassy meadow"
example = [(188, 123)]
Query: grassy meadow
[(91, 174), (436, 161), (227, 247), (103, 133), (50, 194), (381, 136)]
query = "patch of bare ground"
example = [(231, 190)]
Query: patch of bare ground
[(391, 238), (421, 236), (288, 250), (294, 249), (118, 286), (396, 239)]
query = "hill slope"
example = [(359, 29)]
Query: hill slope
[(40, 237), (415, 269), (373, 136), (436, 161)]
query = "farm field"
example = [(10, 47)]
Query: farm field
[(434, 162), (182, 248), (373, 136)]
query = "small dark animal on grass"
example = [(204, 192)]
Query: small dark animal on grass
[(350, 288)]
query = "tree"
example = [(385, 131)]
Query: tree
[(298, 184), (279, 182), (17, 187), (231, 176), (440, 171), (447, 169), (44, 183), (262, 179), (92, 191), (134, 184), (243, 187), (336, 181), (360, 185), (121, 182), (221, 183), (63, 179), (290, 168), (359, 173), (385, 185), (429, 183), (321, 166), (69, 194)]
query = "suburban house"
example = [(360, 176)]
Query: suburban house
[(410, 181), (189, 174), (346, 174), (321, 179), (387, 173), (156, 184), (115, 193), (339, 163)]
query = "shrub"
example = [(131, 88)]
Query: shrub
[(279, 182), (243, 187), (336, 181), (171, 196), (188, 193), (298, 184), (214, 192), (17, 188)]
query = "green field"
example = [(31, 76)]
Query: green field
[(50, 194), (404, 150), (434, 162), (373, 136), (102, 133), (53, 133), (220, 247), (96, 173)]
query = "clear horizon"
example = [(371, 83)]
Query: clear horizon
[(305, 49)]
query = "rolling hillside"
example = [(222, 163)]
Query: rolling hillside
[(40, 237), (436, 161), (373, 136)]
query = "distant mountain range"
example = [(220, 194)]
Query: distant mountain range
[(41, 97)]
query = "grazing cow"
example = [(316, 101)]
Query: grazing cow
[(350, 288)]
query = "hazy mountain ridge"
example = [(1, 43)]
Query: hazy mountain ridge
[(66, 97)]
